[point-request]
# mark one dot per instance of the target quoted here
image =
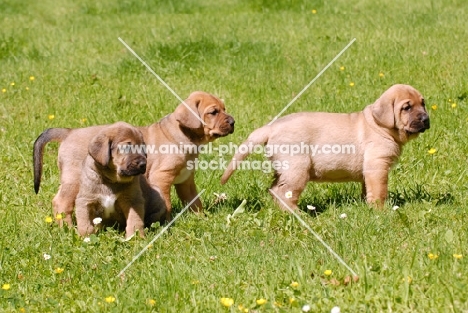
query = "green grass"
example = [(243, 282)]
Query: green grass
[(256, 55)]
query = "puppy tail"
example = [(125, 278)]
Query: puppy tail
[(51, 134), (257, 137)]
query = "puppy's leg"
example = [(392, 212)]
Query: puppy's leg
[(288, 187), (187, 191), (155, 206), (84, 217), (134, 215), (64, 202), (376, 186)]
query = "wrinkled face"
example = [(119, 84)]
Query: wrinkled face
[(128, 153), (218, 122), (402, 111), (410, 113), (202, 106), (120, 150)]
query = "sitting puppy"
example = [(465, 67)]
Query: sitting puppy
[(333, 147), (113, 186)]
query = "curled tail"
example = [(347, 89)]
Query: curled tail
[(257, 137), (51, 134)]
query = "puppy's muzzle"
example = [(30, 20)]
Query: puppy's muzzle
[(226, 127), (426, 124), (135, 167)]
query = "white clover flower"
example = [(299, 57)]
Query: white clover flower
[(46, 256), (396, 207), (306, 308), (87, 239), (310, 208), (288, 194), (343, 215), (97, 221), (336, 309)]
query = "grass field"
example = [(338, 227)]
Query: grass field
[(63, 66)]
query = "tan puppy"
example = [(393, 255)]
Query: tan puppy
[(359, 146), (110, 184), (163, 169)]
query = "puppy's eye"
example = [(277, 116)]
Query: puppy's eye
[(407, 107), (213, 112)]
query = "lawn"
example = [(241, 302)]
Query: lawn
[(62, 65)]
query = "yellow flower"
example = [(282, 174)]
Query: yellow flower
[(432, 256), (27, 88), (22, 310), (434, 107), (51, 116), (288, 194), (31, 78), (195, 282), (110, 299), (151, 302), (454, 105), (12, 83), (314, 11), (328, 272), (341, 68), (457, 256), (58, 270), (292, 300), (408, 279), (242, 308), (6, 286), (351, 84), (432, 151), (450, 100), (83, 120), (294, 284), (59, 216), (48, 219), (381, 74), (4, 90), (261, 301), (227, 302), (277, 304)]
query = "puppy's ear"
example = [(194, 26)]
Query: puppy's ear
[(382, 111), (99, 149), (188, 115)]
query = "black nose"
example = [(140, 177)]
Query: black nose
[(142, 166), (426, 122)]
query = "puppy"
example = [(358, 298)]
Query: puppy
[(369, 143), (181, 128), (111, 182)]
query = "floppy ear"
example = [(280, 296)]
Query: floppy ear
[(382, 111), (187, 117), (99, 149)]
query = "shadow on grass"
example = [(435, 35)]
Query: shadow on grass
[(417, 194), (336, 195)]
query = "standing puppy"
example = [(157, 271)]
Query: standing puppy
[(111, 181), (369, 143)]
